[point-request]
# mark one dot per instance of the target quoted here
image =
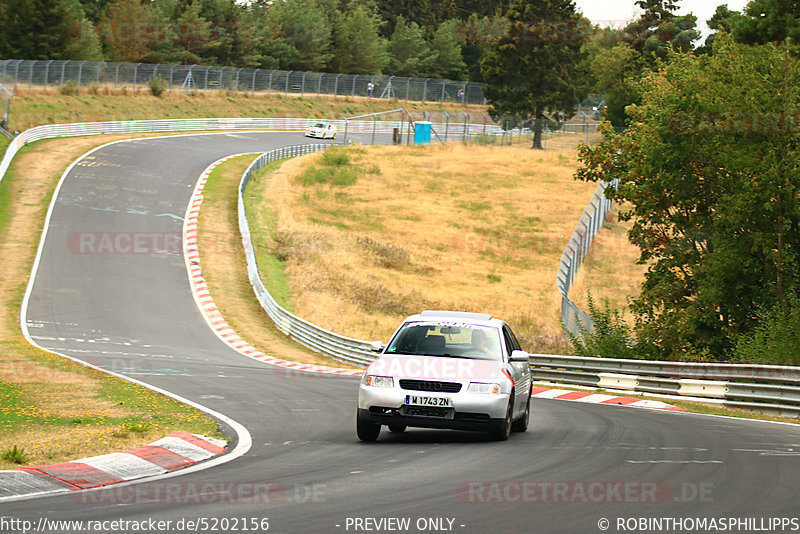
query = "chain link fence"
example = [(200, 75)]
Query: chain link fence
[(17, 73), (592, 219)]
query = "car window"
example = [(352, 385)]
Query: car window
[(511, 341), (447, 339)]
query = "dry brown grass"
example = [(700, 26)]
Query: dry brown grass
[(448, 227)]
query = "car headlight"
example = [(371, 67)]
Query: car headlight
[(480, 387), (379, 381)]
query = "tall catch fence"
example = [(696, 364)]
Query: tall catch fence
[(17, 73)]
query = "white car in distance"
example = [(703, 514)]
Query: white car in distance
[(322, 130)]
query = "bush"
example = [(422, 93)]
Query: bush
[(15, 455), (70, 88), (158, 85), (334, 157), (609, 336), (776, 338)]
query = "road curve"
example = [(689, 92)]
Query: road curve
[(130, 310)]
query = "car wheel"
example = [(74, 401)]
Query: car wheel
[(334, 136), (367, 431), (521, 424), (397, 428), (503, 430)]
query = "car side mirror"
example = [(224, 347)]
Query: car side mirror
[(520, 356), (376, 346)]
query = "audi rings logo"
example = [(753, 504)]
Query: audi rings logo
[(430, 386)]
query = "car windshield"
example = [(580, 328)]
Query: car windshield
[(446, 339), (319, 125)]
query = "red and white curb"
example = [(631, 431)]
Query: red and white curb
[(599, 398), (173, 452), (206, 303)]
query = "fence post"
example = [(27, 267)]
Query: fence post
[(319, 84), (286, 87), (116, 76), (253, 88), (425, 90), (269, 84), (355, 79), (336, 86), (135, 73), (221, 74), (80, 72), (443, 87), (303, 85), (46, 74), (63, 71)]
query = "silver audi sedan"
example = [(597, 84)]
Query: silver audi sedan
[(444, 369)]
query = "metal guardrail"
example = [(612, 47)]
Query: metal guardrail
[(17, 73), (576, 250), (766, 388), (341, 348)]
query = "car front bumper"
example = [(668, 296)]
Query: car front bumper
[(471, 411)]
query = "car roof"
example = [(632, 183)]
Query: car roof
[(469, 317)]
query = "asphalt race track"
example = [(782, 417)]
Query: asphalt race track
[(131, 310)]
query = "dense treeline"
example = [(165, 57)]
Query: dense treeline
[(424, 38)]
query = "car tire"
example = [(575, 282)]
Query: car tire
[(502, 430), (397, 429), (521, 424), (367, 431)]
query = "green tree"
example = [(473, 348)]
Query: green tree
[(769, 21), (708, 168), (616, 74), (535, 69), (446, 48), (409, 53), (305, 27), (130, 31), (723, 20), (358, 47), (46, 29)]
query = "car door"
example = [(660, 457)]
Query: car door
[(521, 371)]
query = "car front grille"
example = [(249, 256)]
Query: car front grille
[(429, 385)]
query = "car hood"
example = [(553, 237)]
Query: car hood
[(441, 368)]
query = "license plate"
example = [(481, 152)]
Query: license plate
[(415, 400)]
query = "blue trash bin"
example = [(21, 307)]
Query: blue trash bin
[(422, 132)]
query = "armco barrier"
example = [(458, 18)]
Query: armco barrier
[(774, 389)]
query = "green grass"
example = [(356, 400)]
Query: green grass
[(263, 218)]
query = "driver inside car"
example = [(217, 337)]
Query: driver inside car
[(480, 343)]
